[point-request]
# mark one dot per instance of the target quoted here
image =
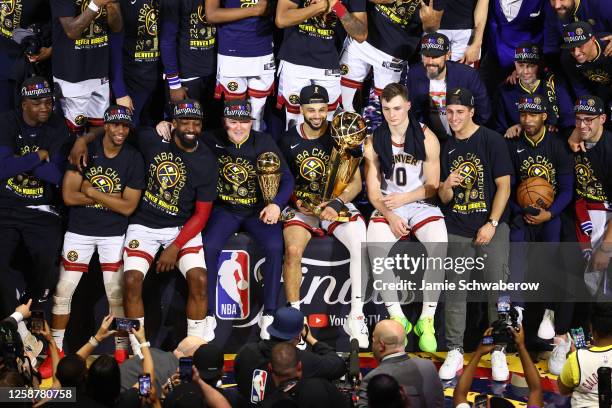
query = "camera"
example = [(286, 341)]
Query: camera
[(31, 45), (507, 317), (349, 386)]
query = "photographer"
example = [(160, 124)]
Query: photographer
[(531, 373), (579, 375)]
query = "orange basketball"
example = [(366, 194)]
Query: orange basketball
[(535, 191)]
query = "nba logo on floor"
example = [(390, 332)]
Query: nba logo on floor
[(233, 285)]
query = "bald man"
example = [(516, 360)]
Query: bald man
[(418, 376)]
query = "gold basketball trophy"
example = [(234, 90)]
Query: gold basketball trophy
[(268, 175), (348, 130)]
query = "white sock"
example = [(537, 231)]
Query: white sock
[(348, 94), (195, 328), (295, 305), (351, 235), (257, 111), (394, 310), (428, 310), (58, 337), (22, 330), (121, 343)]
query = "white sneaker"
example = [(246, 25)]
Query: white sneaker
[(210, 324), (356, 328), (499, 366), (452, 364), (558, 356), (264, 323), (546, 331)]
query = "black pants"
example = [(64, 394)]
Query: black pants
[(41, 235)]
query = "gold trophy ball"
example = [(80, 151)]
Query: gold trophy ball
[(268, 163), (348, 130)]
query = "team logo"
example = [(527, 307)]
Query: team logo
[(258, 385), (344, 69), (440, 40), (133, 244), (294, 99), (537, 99), (312, 169), (591, 102), (201, 13), (538, 170), (233, 300), (579, 31), (7, 7), (468, 172), (405, 9), (235, 173), (72, 256), (80, 120), (151, 22), (103, 183), (167, 174), (232, 86), (583, 174)]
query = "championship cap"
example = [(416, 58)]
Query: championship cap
[(576, 34), (460, 96), (532, 104), (118, 114), (589, 104), (313, 94), (188, 109), (527, 52), (434, 45), (36, 88), (238, 109)]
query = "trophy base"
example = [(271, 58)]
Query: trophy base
[(344, 215)]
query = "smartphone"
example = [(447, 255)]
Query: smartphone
[(124, 324), (487, 340), (144, 385), (503, 304), (579, 338), (530, 210), (480, 401), (37, 321), (185, 369)]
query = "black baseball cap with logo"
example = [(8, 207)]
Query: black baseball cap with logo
[(532, 104), (460, 96), (576, 34), (36, 88), (118, 114), (590, 105), (313, 94), (527, 52), (208, 359), (237, 109), (188, 109), (434, 45)]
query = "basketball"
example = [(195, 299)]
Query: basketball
[(535, 191)]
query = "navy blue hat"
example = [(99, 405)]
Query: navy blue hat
[(532, 103), (288, 323), (36, 88), (118, 114), (576, 34), (589, 104), (527, 52), (188, 109), (313, 94), (434, 45)]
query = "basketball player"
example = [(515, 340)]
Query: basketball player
[(402, 176), (307, 148), (181, 179), (102, 196), (240, 203), (308, 52), (540, 153), (245, 59), (476, 169)]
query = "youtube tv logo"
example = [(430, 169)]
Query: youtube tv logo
[(318, 320)]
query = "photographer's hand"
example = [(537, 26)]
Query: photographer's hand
[(532, 377), (24, 310), (43, 55), (465, 381)]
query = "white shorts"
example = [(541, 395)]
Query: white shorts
[(78, 250), (84, 102), (292, 78), (232, 81), (600, 220), (314, 224), (357, 59), (142, 243), (459, 41), (415, 214)]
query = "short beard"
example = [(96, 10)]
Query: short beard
[(434, 75), (188, 143), (309, 123)]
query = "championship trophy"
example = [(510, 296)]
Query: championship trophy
[(348, 130), (268, 175)]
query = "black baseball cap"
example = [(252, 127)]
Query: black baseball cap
[(434, 45), (313, 94), (208, 359), (460, 96), (36, 88), (238, 109), (118, 114), (532, 104), (185, 395), (527, 52), (576, 34), (589, 104), (188, 109)]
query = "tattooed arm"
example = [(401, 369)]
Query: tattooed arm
[(74, 26), (355, 24)]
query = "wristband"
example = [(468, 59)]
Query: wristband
[(93, 7), (145, 344), (335, 204), (174, 82), (339, 10), (93, 341)]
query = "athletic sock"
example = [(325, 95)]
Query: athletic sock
[(394, 310), (195, 328), (428, 310), (58, 337)]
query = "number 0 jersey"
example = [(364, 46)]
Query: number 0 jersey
[(407, 172)]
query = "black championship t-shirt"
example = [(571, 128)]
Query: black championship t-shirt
[(86, 57), (481, 158), (140, 43), (308, 160), (176, 179), (20, 14), (593, 170), (237, 186), (26, 188), (548, 157), (196, 37), (458, 15), (312, 42), (110, 176)]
